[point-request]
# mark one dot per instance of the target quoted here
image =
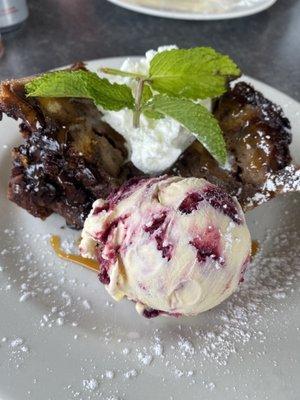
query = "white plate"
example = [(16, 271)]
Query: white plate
[(196, 10), (247, 348)]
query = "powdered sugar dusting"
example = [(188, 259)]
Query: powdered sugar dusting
[(285, 181), (117, 348), (90, 384)]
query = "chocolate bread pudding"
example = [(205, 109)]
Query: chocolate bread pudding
[(70, 157)]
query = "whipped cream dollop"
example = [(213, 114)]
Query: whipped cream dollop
[(173, 245), (156, 144)]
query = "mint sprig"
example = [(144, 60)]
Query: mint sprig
[(176, 79), (82, 84), (194, 117)]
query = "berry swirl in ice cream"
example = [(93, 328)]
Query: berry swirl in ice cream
[(173, 245)]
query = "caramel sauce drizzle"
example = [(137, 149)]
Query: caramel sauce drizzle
[(85, 262), (254, 248)]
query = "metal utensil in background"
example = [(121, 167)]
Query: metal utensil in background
[(12, 14)]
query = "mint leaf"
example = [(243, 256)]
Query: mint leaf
[(196, 118), (146, 96), (196, 73), (83, 84)]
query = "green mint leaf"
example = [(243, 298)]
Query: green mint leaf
[(83, 84), (196, 73), (196, 118), (147, 95)]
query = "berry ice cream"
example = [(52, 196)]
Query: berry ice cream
[(173, 245)]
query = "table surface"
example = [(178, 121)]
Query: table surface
[(58, 32)]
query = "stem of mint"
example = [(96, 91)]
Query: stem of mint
[(138, 101), (114, 71)]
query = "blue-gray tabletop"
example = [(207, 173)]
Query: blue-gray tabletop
[(266, 45)]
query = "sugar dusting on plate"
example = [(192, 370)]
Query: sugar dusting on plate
[(181, 349)]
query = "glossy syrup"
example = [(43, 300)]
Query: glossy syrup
[(254, 248), (85, 262)]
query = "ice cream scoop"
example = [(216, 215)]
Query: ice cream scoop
[(173, 245)]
